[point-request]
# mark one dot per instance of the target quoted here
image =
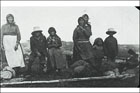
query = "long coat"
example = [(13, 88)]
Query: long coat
[(82, 47), (111, 47), (38, 45)]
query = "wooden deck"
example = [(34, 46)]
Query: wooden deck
[(22, 82)]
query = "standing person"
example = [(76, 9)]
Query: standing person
[(87, 24), (55, 54), (38, 49), (111, 45), (99, 51), (82, 47), (10, 37), (111, 51)]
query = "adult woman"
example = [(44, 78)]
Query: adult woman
[(82, 47), (11, 43), (53, 44)]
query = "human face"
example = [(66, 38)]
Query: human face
[(100, 42), (81, 22), (37, 34), (86, 19), (52, 33), (111, 34), (10, 19)]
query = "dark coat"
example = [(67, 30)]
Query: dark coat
[(132, 62), (56, 58), (54, 42), (82, 47), (38, 45), (111, 47)]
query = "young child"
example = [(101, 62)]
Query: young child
[(99, 51), (111, 51), (111, 45)]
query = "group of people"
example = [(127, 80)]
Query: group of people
[(48, 52), (45, 50), (92, 54)]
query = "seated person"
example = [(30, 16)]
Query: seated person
[(38, 49), (56, 59), (99, 51), (132, 61), (131, 64)]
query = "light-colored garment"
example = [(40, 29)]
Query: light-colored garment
[(7, 73), (14, 58)]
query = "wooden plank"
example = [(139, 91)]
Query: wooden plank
[(62, 80)]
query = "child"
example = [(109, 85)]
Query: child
[(111, 45), (98, 48)]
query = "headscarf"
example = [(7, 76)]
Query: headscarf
[(85, 15), (10, 15), (80, 18), (51, 29), (132, 52)]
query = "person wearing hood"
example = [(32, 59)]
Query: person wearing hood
[(10, 43), (57, 61), (84, 36), (83, 49), (38, 49), (87, 23)]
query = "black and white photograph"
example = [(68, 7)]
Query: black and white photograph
[(43, 46)]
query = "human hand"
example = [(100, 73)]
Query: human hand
[(46, 58), (2, 47), (94, 46), (105, 57), (45, 69), (82, 28), (16, 47), (38, 54)]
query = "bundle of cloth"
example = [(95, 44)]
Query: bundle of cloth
[(7, 73)]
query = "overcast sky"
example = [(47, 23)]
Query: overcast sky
[(125, 20)]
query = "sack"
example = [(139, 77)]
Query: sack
[(7, 73), (108, 66), (79, 69)]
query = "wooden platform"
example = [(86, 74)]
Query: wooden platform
[(22, 81)]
